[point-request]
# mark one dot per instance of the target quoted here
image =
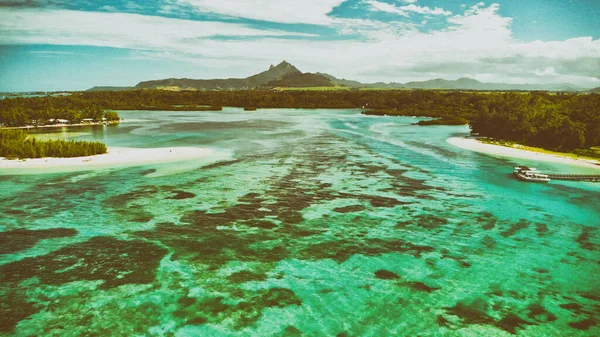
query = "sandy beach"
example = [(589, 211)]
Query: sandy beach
[(503, 151), (116, 157), (33, 127)]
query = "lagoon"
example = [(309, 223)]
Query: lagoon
[(300, 222)]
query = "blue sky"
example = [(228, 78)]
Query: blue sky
[(74, 45)]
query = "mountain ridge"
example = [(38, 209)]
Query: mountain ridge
[(281, 70), (285, 74)]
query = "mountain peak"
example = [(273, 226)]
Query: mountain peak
[(284, 64), (283, 68)]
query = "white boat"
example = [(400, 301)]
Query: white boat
[(530, 174)]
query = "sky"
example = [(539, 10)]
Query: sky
[(52, 45)]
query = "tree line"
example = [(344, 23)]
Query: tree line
[(17, 144), (15, 112), (557, 121)]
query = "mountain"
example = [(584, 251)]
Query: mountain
[(460, 84), (110, 88), (282, 70), (439, 83), (344, 82), (274, 73), (595, 90), (286, 75), (301, 80)]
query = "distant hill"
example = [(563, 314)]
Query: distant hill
[(282, 70), (595, 90), (110, 88), (344, 82), (460, 84), (274, 73), (301, 80), (286, 75)]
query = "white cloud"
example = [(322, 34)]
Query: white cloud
[(64, 27), (375, 5), (425, 10), (384, 7), (478, 43), (285, 11)]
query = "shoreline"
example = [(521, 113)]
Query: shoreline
[(511, 152), (116, 157), (32, 127)]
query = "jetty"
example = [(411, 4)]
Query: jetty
[(532, 174), (574, 177)]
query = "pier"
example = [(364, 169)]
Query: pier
[(532, 174), (574, 177)]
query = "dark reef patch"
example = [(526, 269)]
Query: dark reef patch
[(221, 164), (14, 212), (576, 308), (349, 209), (291, 331), (180, 195), (342, 250), (539, 313), (514, 228), (125, 204), (208, 238), (117, 201), (541, 229), (245, 276), (13, 307), (511, 322), (431, 221), (487, 220), (584, 239), (379, 201), (420, 286), (461, 260), (114, 261), (245, 310), (584, 324), (279, 297), (474, 312), (264, 224), (21, 239), (386, 275), (300, 231), (488, 242)]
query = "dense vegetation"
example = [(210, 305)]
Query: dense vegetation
[(301, 80), (16, 144), (555, 121), (43, 110)]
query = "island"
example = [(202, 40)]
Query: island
[(17, 144)]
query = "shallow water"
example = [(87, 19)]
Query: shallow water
[(322, 223)]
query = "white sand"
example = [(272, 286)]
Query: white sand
[(116, 157), (503, 151)]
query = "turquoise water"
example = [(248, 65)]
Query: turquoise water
[(310, 223)]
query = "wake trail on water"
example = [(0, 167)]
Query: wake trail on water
[(406, 146)]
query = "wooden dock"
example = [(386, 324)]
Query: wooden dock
[(574, 177)]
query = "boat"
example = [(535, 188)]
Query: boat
[(530, 174)]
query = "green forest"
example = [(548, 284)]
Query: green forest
[(17, 144), (15, 112), (556, 121)]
